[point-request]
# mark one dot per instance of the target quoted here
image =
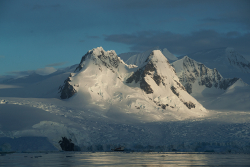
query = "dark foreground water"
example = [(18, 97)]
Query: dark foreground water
[(74, 159)]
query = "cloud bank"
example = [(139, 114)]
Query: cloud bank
[(40, 71), (181, 44)]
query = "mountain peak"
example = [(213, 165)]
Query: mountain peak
[(100, 56), (156, 56), (196, 75), (169, 55)]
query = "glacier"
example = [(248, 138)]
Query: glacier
[(103, 103)]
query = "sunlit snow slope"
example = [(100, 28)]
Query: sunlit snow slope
[(151, 90), (138, 59)]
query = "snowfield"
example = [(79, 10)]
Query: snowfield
[(107, 105)]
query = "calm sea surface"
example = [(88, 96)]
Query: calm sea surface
[(74, 159)]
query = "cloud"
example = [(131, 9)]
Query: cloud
[(56, 64), (181, 44), (45, 70), (239, 14), (40, 71), (5, 77)]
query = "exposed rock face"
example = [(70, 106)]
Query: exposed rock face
[(67, 90), (237, 60), (174, 91), (188, 87), (108, 59), (190, 71), (227, 61), (189, 104), (139, 76)]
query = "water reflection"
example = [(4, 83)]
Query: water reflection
[(74, 159)]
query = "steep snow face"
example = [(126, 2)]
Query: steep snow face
[(196, 77), (168, 55), (157, 78), (139, 59), (126, 56), (97, 72), (226, 60), (151, 90), (237, 60), (236, 97)]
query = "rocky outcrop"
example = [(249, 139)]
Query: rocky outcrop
[(67, 90), (99, 56), (139, 76), (189, 71)]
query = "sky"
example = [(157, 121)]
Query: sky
[(43, 35)]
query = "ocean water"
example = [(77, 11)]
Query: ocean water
[(76, 159)]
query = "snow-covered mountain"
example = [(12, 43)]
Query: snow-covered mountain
[(171, 58), (139, 59), (126, 56), (153, 87), (107, 104), (196, 77), (208, 85), (226, 60)]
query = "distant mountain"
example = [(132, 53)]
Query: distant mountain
[(35, 78), (226, 60), (171, 58), (140, 58), (207, 85), (196, 77), (126, 56), (35, 85), (153, 87), (32, 78), (236, 97)]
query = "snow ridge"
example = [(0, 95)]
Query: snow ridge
[(192, 74), (226, 60), (139, 59), (237, 60)]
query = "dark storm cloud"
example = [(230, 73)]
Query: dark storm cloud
[(238, 14), (181, 44)]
